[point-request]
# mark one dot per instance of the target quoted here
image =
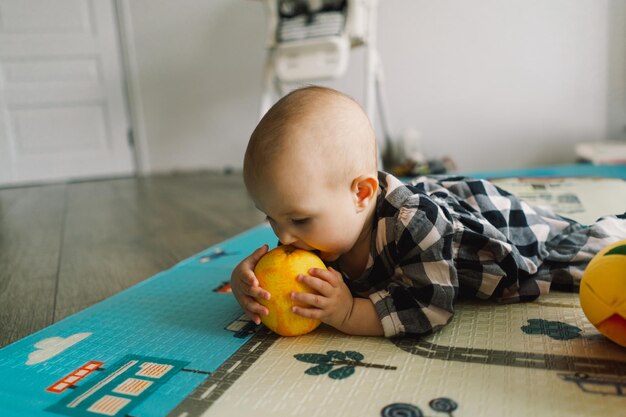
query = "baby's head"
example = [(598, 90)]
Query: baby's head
[(311, 166), (316, 125)]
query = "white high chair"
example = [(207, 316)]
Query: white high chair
[(310, 40)]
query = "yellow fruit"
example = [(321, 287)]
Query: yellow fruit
[(277, 271), (603, 292)]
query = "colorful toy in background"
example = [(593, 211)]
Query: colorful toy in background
[(404, 157), (277, 271), (603, 292)]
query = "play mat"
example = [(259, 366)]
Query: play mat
[(178, 345)]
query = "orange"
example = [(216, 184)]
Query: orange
[(277, 271)]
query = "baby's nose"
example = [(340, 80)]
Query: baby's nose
[(287, 238)]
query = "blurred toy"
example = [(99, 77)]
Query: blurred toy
[(603, 292), (404, 157)]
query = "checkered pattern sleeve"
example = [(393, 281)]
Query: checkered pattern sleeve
[(414, 238), (438, 239)]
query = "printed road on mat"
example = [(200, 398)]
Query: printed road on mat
[(489, 361)]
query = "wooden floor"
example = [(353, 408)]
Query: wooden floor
[(64, 247)]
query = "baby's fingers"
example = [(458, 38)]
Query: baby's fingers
[(249, 279), (253, 309), (314, 300), (316, 284), (329, 275), (254, 317), (310, 313), (254, 258), (257, 292)]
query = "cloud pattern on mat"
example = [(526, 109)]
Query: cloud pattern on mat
[(52, 346)]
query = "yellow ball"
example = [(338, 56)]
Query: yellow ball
[(277, 271), (603, 292)]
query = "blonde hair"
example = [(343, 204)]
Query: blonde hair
[(321, 121)]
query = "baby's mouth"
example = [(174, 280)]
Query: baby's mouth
[(325, 256), (320, 254)]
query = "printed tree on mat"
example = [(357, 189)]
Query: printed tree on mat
[(345, 361)]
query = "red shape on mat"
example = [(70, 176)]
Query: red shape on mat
[(71, 379)]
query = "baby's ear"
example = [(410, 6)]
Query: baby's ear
[(364, 189)]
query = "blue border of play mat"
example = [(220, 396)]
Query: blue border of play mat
[(177, 315), (572, 170)]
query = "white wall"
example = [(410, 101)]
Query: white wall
[(491, 83), (198, 79), (616, 92)]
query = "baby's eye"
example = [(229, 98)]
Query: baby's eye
[(300, 222)]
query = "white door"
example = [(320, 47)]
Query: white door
[(62, 97)]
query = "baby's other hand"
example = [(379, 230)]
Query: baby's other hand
[(245, 286), (334, 302)]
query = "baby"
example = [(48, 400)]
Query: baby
[(398, 255)]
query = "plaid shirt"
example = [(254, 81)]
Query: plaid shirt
[(437, 239)]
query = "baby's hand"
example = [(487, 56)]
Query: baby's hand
[(245, 286), (332, 305)]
